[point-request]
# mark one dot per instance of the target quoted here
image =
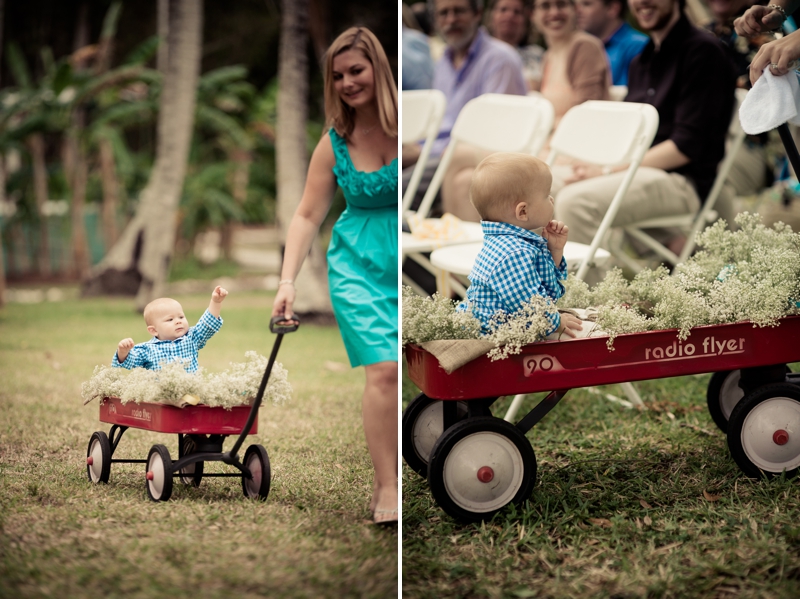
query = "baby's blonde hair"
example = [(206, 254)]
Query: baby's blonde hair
[(504, 179), (155, 306)]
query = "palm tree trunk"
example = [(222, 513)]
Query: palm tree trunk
[(108, 177), (2, 199), (139, 262), (80, 243), (291, 158), (37, 150)]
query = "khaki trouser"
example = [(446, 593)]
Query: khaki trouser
[(652, 193)]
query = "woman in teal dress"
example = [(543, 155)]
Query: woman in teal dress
[(359, 154)]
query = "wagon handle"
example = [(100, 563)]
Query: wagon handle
[(280, 326)]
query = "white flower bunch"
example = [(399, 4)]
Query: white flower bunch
[(430, 318), (235, 386), (529, 324), (752, 274)]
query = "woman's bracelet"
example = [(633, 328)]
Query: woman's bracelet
[(286, 282), (779, 9)]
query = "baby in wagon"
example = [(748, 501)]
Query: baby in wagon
[(511, 192), (173, 339)]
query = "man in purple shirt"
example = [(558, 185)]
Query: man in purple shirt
[(474, 63)]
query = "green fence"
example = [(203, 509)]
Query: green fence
[(21, 242)]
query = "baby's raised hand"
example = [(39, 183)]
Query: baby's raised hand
[(218, 294), (556, 235), (123, 349)]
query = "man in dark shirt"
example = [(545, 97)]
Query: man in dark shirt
[(685, 74)]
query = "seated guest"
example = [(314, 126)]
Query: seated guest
[(575, 66), (417, 62), (510, 21), (605, 19), (474, 63), (683, 72)]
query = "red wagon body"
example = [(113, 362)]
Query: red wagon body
[(163, 418), (552, 365), (476, 464)]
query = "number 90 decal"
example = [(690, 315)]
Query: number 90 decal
[(540, 363)]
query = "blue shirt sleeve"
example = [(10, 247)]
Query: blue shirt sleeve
[(138, 357), (204, 329)]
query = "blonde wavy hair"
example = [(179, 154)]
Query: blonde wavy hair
[(340, 116)]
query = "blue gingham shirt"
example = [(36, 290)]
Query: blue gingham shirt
[(513, 265), (152, 354)]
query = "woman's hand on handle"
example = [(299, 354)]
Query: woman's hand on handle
[(284, 300), (780, 56)]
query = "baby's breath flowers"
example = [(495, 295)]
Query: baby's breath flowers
[(751, 274), (435, 317), (233, 387)]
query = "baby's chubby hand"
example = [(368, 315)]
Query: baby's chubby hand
[(125, 345), (218, 294), (556, 234), (570, 324)]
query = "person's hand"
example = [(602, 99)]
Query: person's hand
[(123, 349), (570, 324), (758, 19), (556, 235), (780, 56), (582, 171), (218, 294), (284, 300)]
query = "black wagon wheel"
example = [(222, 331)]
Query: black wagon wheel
[(480, 465), (256, 461), (98, 458), (191, 474), (722, 396), (724, 393), (764, 431), (422, 426), (159, 473)]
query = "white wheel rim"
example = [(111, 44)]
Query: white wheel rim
[(96, 467), (760, 426), (426, 430), (471, 454), (253, 484), (156, 466), (730, 393)]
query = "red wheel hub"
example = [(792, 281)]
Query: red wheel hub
[(90, 460), (485, 474), (149, 476), (780, 437)]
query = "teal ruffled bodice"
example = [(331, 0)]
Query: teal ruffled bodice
[(377, 189)]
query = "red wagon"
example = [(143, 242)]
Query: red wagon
[(201, 432), (477, 464)]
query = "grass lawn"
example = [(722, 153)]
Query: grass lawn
[(61, 536), (627, 504)]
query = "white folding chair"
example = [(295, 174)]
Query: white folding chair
[(492, 122), (605, 133), (422, 114), (690, 224)]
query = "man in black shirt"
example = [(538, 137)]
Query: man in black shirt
[(685, 74)]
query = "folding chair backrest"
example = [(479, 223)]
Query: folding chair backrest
[(496, 123), (504, 123), (422, 115), (605, 132)]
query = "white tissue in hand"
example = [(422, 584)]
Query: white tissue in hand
[(772, 102)]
